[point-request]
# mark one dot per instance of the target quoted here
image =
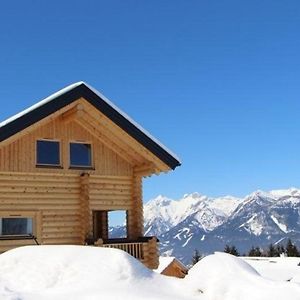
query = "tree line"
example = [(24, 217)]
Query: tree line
[(290, 250)]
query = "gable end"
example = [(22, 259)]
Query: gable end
[(83, 91)]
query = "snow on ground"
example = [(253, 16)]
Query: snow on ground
[(82, 272), (226, 277), (276, 268)]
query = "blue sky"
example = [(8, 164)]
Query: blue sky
[(218, 82)]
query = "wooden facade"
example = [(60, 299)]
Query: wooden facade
[(68, 205)]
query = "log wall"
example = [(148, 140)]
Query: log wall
[(62, 204), (53, 201), (108, 193)]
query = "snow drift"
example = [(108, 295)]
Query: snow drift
[(82, 272), (225, 277), (276, 268), (77, 272)]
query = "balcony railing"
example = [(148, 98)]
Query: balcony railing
[(143, 248), (134, 249)]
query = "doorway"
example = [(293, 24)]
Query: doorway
[(109, 224)]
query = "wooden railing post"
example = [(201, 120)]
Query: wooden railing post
[(151, 255), (99, 243)]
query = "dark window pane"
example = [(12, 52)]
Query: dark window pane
[(47, 153), (80, 155), (15, 226)]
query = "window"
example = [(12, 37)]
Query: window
[(16, 226), (47, 153), (80, 155)]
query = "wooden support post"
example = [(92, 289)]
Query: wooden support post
[(135, 215), (104, 224), (85, 211)]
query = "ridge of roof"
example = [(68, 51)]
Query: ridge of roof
[(138, 132)]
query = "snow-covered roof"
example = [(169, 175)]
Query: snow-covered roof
[(165, 261), (73, 92), (40, 103)]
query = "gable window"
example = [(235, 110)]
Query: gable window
[(80, 155), (47, 153), (11, 226)]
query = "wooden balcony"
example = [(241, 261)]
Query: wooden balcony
[(144, 249)]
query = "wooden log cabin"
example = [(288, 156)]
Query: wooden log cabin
[(69, 160)]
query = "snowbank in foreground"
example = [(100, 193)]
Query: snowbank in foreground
[(88, 273), (226, 277), (79, 272)]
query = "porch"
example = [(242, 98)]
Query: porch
[(145, 249)]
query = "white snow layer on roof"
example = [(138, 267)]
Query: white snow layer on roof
[(164, 262), (40, 103), (88, 273), (74, 85)]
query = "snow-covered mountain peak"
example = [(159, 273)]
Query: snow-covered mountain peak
[(163, 213), (259, 194), (160, 201), (292, 192), (260, 198), (225, 204)]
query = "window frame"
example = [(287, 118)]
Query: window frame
[(87, 167), (43, 165), (36, 221)]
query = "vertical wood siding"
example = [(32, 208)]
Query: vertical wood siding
[(20, 155)]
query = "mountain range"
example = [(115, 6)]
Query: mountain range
[(208, 224)]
